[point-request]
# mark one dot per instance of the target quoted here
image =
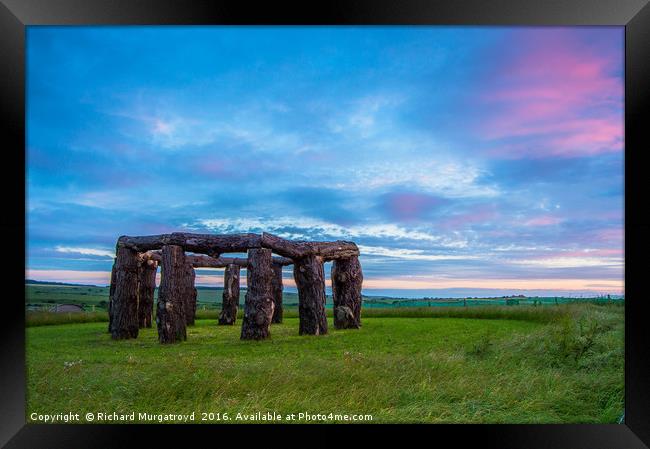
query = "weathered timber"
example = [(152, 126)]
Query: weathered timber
[(124, 306), (258, 305), (146, 287), (347, 279), (111, 291), (224, 261), (310, 281), (276, 291), (153, 255), (299, 249), (170, 316), (230, 298), (210, 244), (203, 261), (282, 261), (190, 294)]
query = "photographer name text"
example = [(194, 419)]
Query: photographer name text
[(195, 417)]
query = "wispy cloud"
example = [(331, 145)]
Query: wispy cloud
[(543, 220), (302, 227), (87, 251), (411, 254), (451, 179), (571, 262), (367, 115)]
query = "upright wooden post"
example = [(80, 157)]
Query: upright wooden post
[(276, 291), (347, 278), (111, 292), (147, 274), (124, 306), (230, 299), (190, 294), (170, 316), (310, 279), (258, 306)]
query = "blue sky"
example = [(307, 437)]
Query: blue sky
[(461, 160)]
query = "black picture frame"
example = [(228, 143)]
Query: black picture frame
[(15, 15)]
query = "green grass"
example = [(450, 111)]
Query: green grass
[(527, 313), (478, 365), (44, 295), (96, 298)]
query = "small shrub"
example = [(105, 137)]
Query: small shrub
[(585, 337), (480, 347), (573, 339)]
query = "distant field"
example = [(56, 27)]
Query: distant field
[(44, 296), (525, 364), (39, 296)]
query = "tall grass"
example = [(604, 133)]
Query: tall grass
[(538, 365), (49, 318), (546, 314)]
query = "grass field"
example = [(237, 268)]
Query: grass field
[(555, 364)]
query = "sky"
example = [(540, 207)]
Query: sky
[(461, 160)]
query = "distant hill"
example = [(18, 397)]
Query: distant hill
[(32, 281), (202, 287)]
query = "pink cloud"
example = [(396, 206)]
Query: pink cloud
[(73, 276), (543, 220), (409, 206), (479, 215), (561, 97), (210, 167), (609, 235), (615, 286)]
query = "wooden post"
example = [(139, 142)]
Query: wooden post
[(147, 274), (276, 291), (124, 307), (171, 300), (258, 306), (310, 279), (230, 298), (111, 292), (190, 295), (347, 278)]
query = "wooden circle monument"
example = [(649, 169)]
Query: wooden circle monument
[(133, 280)]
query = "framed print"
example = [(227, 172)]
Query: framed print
[(428, 214)]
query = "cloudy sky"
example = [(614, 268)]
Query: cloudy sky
[(461, 160)]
